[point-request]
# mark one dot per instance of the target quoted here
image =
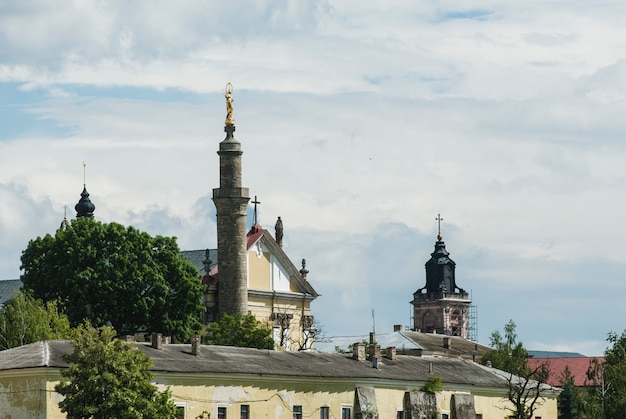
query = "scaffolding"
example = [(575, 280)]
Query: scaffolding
[(472, 323)]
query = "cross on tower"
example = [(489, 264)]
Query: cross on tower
[(255, 202), (439, 220)]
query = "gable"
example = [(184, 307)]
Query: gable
[(283, 275), (265, 270)]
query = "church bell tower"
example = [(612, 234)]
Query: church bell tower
[(441, 306), (231, 201)]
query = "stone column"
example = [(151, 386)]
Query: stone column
[(231, 201)]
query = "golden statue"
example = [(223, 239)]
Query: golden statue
[(230, 120)]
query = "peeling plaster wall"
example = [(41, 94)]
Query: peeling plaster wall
[(30, 394)]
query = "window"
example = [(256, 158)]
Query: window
[(297, 412), (479, 416), (221, 412), (245, 411), (324, 412), (180, 411), (445, 416), (346, 413), (400, 414)]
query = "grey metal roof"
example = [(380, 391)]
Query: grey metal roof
[(9, 289), (407, 341), (554, 354), (196, 257), (395, 339), (178, 358)]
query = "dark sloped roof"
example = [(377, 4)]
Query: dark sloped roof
[(197, 257), (434, 343), (230, 360), (9, 289)]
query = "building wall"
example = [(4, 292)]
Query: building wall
[(23, 394), (259, 269), (266, 308), (280, 299), (275, 397), (30, 394)]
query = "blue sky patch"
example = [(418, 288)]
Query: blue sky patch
[(464, 14), (16, 121)]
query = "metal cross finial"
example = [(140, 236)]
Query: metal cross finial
[(255, 202), (84, 173), (439, 220)]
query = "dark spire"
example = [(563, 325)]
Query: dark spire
[(440, 268), (85, 207), (207, 261)]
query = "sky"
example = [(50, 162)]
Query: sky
[(360, 122)]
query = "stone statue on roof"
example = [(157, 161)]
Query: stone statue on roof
[(279, 231)]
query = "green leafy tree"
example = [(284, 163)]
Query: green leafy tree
[(594, 391), (114, 275), (613, 377), (25, 320), (239, 330), (526, 386), (569, 398), (109, 378)]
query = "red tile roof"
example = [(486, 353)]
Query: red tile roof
[(255, 233), (577, 366)]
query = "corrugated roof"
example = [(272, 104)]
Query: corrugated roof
[(429, 343), (396, 339), (230, 360)]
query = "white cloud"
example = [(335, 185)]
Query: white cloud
[(359, 123)]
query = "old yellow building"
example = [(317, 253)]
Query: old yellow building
[(279, 295), (244, 383)]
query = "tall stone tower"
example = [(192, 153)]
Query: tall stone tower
[(231, 201), (441, 306)]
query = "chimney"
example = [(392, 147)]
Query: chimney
[(447, 343), (397, 327), (156, 340), (375, 352), (372, 337), (195, 345), (375, 362), (358, 351), (391, 353)]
